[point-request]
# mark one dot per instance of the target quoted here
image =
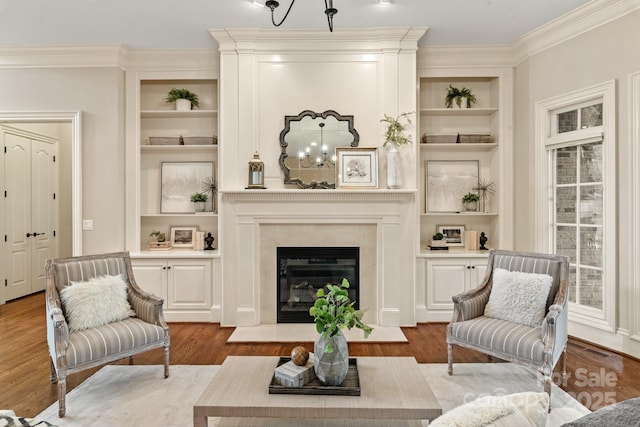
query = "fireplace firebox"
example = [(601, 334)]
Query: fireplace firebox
[(304, 270)]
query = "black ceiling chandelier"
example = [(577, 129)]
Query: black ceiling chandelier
[(329, 10)]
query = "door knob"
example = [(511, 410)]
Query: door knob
[(28, 234)]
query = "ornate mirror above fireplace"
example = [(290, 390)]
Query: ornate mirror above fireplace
[(308, 143)]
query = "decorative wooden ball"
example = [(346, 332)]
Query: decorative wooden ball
[(300, 355)]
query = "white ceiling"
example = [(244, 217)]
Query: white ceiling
[(184, 23)]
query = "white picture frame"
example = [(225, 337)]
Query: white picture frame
[(447, 181), (453, 234), (357, 167), (183, 237)]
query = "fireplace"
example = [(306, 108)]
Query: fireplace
[(304, 270)]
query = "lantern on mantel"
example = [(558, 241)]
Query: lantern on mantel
[(256, 172)]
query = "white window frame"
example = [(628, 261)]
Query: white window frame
[(546, 140)]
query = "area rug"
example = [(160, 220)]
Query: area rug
[(123, 395), (306, 332)]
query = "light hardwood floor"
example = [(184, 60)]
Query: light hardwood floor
[(597, 376)]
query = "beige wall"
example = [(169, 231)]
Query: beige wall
[(603, 54), (99, 94)]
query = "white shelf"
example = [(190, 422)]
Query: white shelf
[(179, 215), (154, 114), (458, 112), (176, 253), (183, 148), (459, 214), (479, 146), (453, 253)]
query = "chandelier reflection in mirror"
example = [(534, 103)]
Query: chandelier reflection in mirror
[(322, 160), (329, 10)]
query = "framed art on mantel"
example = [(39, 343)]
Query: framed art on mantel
[(447, 181), (179, 180), (357, 167)]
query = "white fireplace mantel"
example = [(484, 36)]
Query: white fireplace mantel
[(257, 222)]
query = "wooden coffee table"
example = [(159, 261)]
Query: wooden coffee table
[(392, 388)]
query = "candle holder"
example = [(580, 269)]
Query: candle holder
[(256, 173)]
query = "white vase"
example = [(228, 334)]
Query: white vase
[(394, 168), (463, 103), (183, 105)]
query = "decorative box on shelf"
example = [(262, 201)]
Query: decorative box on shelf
[(291, 375), (438, 245), (159, 246)]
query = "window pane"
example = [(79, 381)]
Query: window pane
[(591, 246), (591, 287), (566, 169), (591, 204), (566, 205), (568, 121), (572, 284), (591, 116), (566, 242), (591, 162)]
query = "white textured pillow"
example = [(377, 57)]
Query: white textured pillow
[(96, 302), (518, 297), (518, 409)]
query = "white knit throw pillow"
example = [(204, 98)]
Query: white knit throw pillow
[(96, 302), (518, 297)]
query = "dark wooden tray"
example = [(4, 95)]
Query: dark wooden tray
[(349, 387)]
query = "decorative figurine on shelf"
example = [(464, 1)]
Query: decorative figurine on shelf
[(209, 241), (256, 172), (483, 240)]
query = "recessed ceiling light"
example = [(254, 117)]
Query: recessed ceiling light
[(257, 3), (384, 2)]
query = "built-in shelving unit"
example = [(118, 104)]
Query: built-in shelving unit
[(157, 118), (454, 124)]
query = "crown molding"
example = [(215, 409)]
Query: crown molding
[(579, 21), (63, 56), (463, 57), (345, 40), (173, 59)]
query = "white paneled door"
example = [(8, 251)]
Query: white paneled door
[(30, 182)]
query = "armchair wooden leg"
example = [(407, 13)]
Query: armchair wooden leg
[(564, 364), (53, 377), (450, 359), (130, 360), (62, 392), (166, 361)]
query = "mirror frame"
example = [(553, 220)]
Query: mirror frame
[(284, 144)]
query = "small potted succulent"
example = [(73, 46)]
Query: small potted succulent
[(160, 237), (333, 311), (199, 200), (185, 99), (470, 201), (438, 241)]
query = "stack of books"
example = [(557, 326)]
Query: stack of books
[(159, 246)]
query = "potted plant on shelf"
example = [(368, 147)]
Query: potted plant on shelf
[(185, 99), (438, 242), (470, 202), (333, 311), (199, 201), (160, 237), (463, 98), (396, 137)]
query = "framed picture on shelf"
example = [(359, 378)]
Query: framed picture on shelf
[(178, 181), (447, 181), (183, 237), (357, 167), (453, 234)]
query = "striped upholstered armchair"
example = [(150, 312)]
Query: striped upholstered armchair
[(96, 314), (530, 291)]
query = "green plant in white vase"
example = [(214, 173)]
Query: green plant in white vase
[(470, 201), (175, 95), (199, 200), (396, 136)]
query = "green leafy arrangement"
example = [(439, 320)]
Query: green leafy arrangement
[(199, 197), (395, 134), (455, 94), (333, 311), (438, 236), (175, 94), (470, 197)]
